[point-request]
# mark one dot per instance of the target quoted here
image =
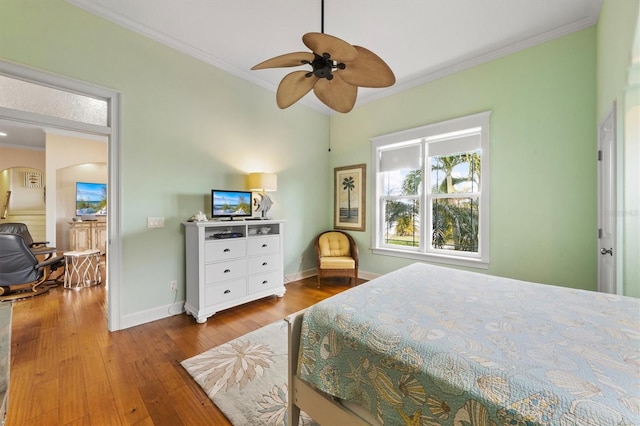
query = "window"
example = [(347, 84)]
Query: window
[(38, 98), (431, 192)]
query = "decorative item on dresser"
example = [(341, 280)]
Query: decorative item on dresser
[(88, 235), (263, 182), (231, 263)]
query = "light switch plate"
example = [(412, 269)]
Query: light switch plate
[(155, 222)]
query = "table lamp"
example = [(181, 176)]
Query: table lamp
[(263, 182)]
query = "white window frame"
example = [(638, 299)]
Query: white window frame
[(425, 135)]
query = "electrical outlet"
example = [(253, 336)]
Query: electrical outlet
[(174, 285)]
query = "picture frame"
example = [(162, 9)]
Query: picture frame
[(32, 180), (350, 197)]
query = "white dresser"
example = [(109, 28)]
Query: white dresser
[(230, 263)]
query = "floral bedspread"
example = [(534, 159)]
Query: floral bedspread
[(438, 346)]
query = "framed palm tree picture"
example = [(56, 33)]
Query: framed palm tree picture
[(349, 197)]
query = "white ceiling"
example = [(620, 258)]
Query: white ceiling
[(21, 135), (420, 40)]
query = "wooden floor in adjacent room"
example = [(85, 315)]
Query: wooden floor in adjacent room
[(68, 369)]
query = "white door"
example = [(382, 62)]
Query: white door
[(607, 208)]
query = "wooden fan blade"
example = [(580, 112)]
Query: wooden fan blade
[(336, 94), (367, 70), (294, 59), (321, 43), (293, 87)]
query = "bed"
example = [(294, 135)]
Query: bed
[(429, 345)]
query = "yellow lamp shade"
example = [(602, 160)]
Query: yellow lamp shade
[(263, 182)]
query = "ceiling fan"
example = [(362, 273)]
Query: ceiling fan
[(338, 69)]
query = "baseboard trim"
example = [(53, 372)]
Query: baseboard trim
[(150, 315), (166, 311), (299, 275)]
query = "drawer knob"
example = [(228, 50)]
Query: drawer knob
[(265, 282), (264, 245), (227, 250), (264, 263), (227, 291), (226, 271)]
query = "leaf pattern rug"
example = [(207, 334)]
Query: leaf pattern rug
[(247, 377)]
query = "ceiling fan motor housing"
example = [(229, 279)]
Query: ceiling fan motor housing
[(323, 66)]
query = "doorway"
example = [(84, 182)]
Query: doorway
[(49, 110), (607, 204)]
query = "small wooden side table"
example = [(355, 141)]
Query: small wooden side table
[(82, 269)]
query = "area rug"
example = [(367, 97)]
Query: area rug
[(246, 378), (5, 357)]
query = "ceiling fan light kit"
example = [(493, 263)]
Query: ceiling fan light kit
[(337, 70)]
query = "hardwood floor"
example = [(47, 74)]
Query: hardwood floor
[(67, 369)]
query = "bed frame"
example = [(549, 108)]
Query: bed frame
[(302, 396)]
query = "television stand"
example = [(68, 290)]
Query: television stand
[(228, 264)]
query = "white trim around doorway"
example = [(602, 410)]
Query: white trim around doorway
[(112, 132)]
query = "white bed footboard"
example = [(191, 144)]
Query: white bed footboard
[(302, 396)]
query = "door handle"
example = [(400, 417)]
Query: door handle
[(604, 251)]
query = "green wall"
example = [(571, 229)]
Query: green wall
[(617, 81), (187, 127), (543, 143)]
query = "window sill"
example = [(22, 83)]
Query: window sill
[(447, 260)]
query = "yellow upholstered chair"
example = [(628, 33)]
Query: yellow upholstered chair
[(337, 256)]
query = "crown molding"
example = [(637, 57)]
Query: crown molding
[(590, 19)]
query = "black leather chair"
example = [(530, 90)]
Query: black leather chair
[(21, 273), (37, 247)]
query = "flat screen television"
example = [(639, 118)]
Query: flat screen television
[(230, 204), (91, 199)]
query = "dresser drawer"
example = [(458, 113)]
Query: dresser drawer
[(231, 248), (220, 293), (265, 281), (263, 263), (223, 271), (263, 245)]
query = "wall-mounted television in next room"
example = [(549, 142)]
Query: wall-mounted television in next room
[(91, 198), (230, 204)]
